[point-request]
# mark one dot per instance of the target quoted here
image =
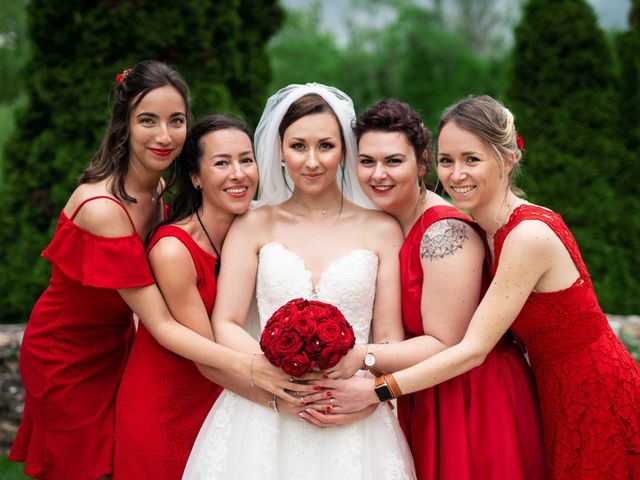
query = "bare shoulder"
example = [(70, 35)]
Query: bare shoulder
[(532, 239), (379, 222), (448, 237), (252, 227), (105, 217), (169, 250)]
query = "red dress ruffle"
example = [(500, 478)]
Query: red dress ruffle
[(74, 351), (589, 384), (163, 398), (484, 424)]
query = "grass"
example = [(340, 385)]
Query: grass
[(10, 470)]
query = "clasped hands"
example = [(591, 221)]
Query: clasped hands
[(321, 398)]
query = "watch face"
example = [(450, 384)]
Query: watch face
[(369, 360)]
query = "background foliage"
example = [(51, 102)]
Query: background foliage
[(575, 91), (76, 50)]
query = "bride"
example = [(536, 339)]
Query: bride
[(311, 238)]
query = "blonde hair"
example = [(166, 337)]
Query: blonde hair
[(493, 123)]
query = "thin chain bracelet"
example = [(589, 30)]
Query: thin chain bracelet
[(253, 357)]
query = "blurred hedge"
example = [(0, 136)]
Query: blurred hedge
[(77, 48), (569, 101)]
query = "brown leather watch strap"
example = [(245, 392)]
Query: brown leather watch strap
[(393, 385)]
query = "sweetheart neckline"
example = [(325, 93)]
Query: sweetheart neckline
[(313, 285)]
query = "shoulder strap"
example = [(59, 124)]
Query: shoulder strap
[(442, 212), (75, 212)]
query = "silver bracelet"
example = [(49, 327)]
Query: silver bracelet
[(253, 357), (273, 404)]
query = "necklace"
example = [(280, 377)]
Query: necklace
[(323, 210), (217, 266)]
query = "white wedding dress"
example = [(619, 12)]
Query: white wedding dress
[(241, 439)]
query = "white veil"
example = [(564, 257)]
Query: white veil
[(272, 188)]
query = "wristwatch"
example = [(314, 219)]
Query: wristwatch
[(370, 362), (382, 389)]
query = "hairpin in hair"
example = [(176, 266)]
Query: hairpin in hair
[(519, 142), (121, 76)]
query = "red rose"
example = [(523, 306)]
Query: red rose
[(328, 331), (289, 343), (302, 333), (296, 364), (315, 311), (289, 318), (305, 327), (313, 347), (329, 357), (347, 338)]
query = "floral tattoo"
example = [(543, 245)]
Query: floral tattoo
[(443, 238)]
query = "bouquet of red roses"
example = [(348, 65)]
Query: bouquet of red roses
[(306, 333)]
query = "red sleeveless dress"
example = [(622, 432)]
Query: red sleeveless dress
[(163, 398), (589, 385), (74, 351), (483, 424)]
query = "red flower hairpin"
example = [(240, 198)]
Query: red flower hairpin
[(519, 142), (121, 76)]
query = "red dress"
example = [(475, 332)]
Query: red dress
[(74, 351), (589, 385), (484, 424), (163, 399)]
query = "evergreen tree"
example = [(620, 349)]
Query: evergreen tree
[(77, 48), (561, 89)]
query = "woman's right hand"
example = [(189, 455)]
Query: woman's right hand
[(273, 379)]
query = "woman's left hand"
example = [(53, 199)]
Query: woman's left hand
[(342, 396), (350, 363), (326, 420)]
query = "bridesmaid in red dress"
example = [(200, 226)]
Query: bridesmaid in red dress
[(164, 398), (589, 385), (77, 340), (484, 423)]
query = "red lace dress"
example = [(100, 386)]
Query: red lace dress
[(74, 351), (163, 399), (589, 385), (484, 424)]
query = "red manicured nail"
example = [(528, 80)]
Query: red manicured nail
[(328, 408), (316, 387), (303, 402), (329, 394), (324, 375)]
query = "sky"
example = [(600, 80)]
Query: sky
[(612, 14)]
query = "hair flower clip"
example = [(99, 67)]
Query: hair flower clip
[(121, 76), (519, 142)]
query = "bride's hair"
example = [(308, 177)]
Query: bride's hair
[(278, 115)]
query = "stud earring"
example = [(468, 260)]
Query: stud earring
[(282, 164), (197, 187)]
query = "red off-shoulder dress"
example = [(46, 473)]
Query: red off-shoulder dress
[(74, 351), (163, 399), (589, 384), (483, 424)]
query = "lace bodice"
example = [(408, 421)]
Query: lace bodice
[(349, 283), (243, 439)]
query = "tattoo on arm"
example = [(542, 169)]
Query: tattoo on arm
[(443, 238)]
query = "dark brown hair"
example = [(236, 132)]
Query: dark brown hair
[(309, 104), (112, 158), (392, 115)]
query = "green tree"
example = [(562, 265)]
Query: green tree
[(13, 47), (77, 48), (561, 88)]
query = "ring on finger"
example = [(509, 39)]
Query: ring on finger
[(331, 401), (290, 378)]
